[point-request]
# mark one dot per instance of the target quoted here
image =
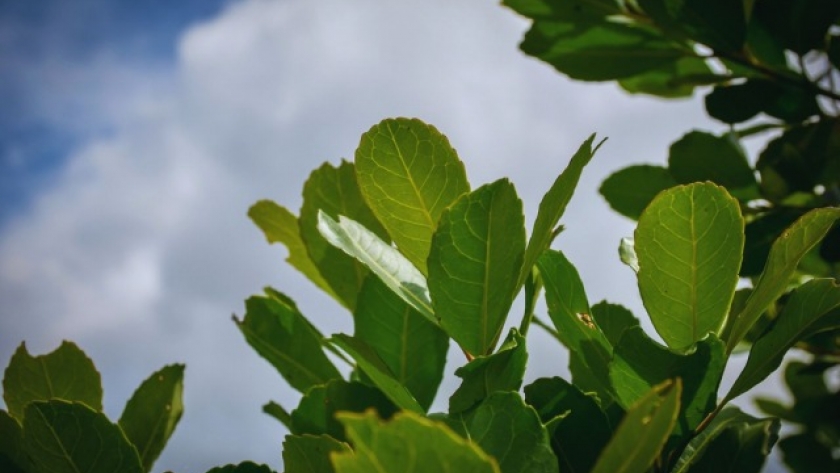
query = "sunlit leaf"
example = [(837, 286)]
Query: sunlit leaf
[(310, 453), (630, 190)]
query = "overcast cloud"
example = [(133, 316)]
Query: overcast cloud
[(139, 249)]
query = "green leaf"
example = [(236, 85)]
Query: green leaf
[(643, 431), (383, 259), (640, 363), (627, 253), (553, 205), (278, 412), (800, 318), (500, 371), (740, 102), (672, 80), (65, 373), (785, 255), (742, 447), (315, 414), (577, 10), (310, 453), (805, 452), (613, 320), (409, 173), (802, 158), (689, 243), (584, 430), (630, 190), (511, 432), (413, 349), (475, 263), (12, 455), (700, 156), (150, 416), (281, 226), (244, 467), (378, 372), (569, 310), (759, 235), (719, 24), (275, 328), (802, 25), (409, 442), (65, 437), (334, 191)]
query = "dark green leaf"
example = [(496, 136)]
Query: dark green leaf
[(673, 80), (631, 189), (741, 447), (785, 255), (280, 334), (413, 349), (700, 156), (643, 431), (474, 265), (409, 173), (689, 242), (834, 51), (737, 103), (150, 416), (315, 414), (65, 373), (584, 430), (802, 157), (500, 371), (377, 371), (805, 453), (65, 437), (408, 442), (759, 235), (801, 25), (278, 412), (718, 24), (613, 320), (281, 226), (310, 453), (830, 246), (727, 418), (244, 467), (12, 456), (570, 10)]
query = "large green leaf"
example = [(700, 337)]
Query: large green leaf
[(65, 437), (484, 375), (642, 433), (640, 363), (801, 317), (474, 265), (334, 191), (701, 156), (553, 205), (511, 432), (281, 226), (413, 349), (408, 443), (785, 255), (630, 190), (672, 80), (315, 414), (377, 370), (569, 310), (742, 447), (383, 259), (153, 412), (409, 173), (244, 467), (65, 373), (275, 328), (12, 455), (718, 24), (310, 453), (689, 242), (584, 430)]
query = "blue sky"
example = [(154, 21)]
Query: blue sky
[(135, 135)]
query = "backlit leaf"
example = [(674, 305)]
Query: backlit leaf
[(631, 189), (310, 453)]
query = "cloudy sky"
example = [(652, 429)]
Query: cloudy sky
[(135, 135)]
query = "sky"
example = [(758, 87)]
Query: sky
[(135, 135)]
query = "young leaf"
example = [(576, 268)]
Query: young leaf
[(334, 191), (643, 431), (413, 349), (12, 455), (801, 317), (281, 226), (584, 430), (700, 156), (630, 190), (554, 203), (500, 371), (279, 333), (65, 437), (474, 265), (378, 372), (244, 467), (785, 255), (511, 432), (640, 363), (65, 373), (383, 259), (409, 173), (315, 414), (310, 453), (409, 442), (150, 416), (742, 447), (627, 253), (689, 242)]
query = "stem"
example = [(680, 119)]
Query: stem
[(539, 323), (533, 287)]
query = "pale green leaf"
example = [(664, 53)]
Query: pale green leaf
[(689, 243), (474, 265), (627, 253), (409, 173), (310, 453)]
